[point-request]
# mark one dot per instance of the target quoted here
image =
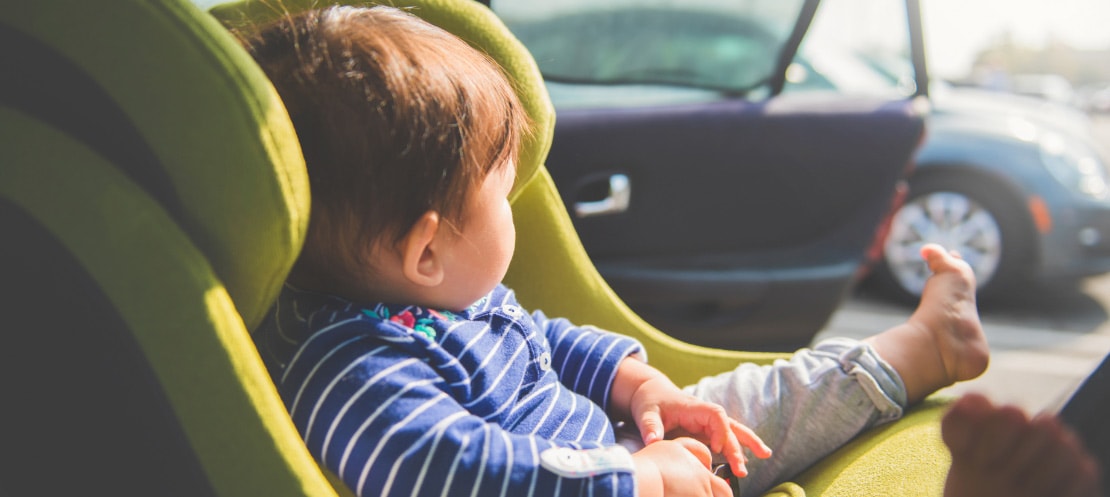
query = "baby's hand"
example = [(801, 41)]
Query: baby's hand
[(659, 407), (679, 467)]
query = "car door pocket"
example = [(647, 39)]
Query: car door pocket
[(602, 195)]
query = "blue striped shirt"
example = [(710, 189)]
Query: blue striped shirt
[(403, 400)]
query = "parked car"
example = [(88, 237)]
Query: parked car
[(1014, 183), (1096, 98), (724, 213), (1051, 87), (1023, 198)]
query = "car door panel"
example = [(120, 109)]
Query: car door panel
[(761, 186)]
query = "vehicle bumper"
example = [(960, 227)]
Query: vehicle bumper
[(1078, 244)]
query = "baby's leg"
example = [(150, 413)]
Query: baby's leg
[(943, 341), (999, 451), (807, 406)]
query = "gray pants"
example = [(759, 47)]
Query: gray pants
[(808, 406), (805, 407)]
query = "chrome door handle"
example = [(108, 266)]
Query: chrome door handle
[(620, 194)]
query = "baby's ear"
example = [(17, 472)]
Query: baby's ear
[(421, 262)]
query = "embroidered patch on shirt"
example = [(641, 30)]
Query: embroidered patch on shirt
[(571, 463), (406, 318)]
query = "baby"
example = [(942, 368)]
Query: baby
[(410, 370)]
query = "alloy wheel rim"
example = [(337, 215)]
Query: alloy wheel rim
[(950, 219)]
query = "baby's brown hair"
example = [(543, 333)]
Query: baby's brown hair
[(395, 117)]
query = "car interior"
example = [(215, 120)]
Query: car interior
[(153, 199)]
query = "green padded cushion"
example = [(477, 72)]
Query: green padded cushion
[(68, 345), (176, 311), (214, 127), (468, 20), (905, 458)]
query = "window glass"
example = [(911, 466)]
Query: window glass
[(855, 47), (723, 45)]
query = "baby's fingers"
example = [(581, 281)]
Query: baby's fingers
[(651, 426), (749, 439), (742, 436)]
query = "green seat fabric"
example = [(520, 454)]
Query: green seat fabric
[(153, 199), (129, 370), (158, 88)]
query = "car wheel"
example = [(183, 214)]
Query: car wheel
[(960, 215)]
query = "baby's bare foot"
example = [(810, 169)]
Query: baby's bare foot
[(947, 311), (943, 341), (999, 451)]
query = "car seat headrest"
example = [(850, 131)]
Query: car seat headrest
[(188, 117)]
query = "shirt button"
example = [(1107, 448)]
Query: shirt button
[(545, 361), (513, 311)]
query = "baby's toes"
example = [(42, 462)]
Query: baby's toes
[(940, 259)]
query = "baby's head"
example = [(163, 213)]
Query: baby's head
[(407, 133)]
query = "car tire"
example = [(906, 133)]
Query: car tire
[(982, 222)]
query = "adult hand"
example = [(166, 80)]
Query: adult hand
[(1001, 451)]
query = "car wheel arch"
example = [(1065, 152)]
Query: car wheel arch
[(984, 177), (998, 194)]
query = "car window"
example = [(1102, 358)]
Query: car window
[(855, 47), (728, 46)]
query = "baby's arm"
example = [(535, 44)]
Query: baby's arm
[(604, 366), (385, 422), (643, 394), (585, 358)]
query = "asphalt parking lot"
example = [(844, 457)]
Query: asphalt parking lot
[(1043, 344)]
